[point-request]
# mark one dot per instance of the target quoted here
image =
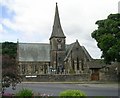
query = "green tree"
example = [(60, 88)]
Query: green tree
[(108, 37), (10, 49), (10, 75)]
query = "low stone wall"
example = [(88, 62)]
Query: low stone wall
[(57, 78), (70, 78), (110, 77)]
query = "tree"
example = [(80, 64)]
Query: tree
[(10, 49), (9, 67), (10, 75), (108, 38)]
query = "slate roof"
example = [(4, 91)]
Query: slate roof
[(96, 63), (34, 52), (86, 53), (57, 29), (70, 47), (68, 50), (40, 52)]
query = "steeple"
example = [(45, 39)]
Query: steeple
[(57, 29)]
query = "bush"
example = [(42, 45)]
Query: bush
[(25, 93), (6, 95), (71, 93)]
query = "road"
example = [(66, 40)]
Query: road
[(54, 89)]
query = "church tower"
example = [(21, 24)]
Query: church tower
[(57, 44)]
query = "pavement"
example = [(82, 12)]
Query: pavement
[(82, 82), (101, 85)]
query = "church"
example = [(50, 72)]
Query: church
[(55, 57)]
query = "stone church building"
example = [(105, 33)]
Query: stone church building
[(56, 57)]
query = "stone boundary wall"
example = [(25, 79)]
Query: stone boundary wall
[(70, 78), (57, 78), (110, 77)]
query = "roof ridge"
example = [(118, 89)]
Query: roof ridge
[(34, 43)]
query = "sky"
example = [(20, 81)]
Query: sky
[(119, 7), (31, 21)]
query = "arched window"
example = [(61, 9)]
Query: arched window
[(77, 63), (73, 64), (82, 64)]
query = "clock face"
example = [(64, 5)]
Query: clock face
[(59, 40)]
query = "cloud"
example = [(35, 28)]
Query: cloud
[(119, 7), (32, 20)]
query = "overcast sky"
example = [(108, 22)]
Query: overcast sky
[(32, 20)]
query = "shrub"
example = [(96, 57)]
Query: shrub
[(25, 93), (6, 95), (72, 94)]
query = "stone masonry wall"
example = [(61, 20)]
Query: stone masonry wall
[(109, 77), (57, 78)]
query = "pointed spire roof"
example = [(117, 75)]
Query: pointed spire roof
[(57, 29)]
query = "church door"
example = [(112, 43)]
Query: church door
[(95, 75)]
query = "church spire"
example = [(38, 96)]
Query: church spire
[(57, 29)]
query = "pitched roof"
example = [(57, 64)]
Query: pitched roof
[(57, 29), (71, 46), (96, 63), (41, 52), (86, 53), (34, 52), (68, 50)]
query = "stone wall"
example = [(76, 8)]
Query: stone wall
[(110, 73), (109, 77), (104, 77), (57, 78)]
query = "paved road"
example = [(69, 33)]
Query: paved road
[(55, 88)]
